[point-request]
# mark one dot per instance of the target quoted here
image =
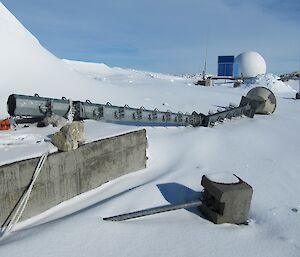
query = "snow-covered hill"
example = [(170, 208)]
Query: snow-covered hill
[(264, 151), (28, 68)]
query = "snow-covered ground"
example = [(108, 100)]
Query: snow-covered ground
[(264, 151)]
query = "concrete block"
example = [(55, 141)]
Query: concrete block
[(226, 202), (67, 174)]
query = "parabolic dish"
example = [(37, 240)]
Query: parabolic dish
[(266, 97)]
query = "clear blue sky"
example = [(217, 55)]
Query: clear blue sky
[(165, 35)]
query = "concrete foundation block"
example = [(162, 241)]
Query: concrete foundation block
[(226, 203), (68, 174)]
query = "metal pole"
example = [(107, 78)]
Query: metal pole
[(151, 211), (299, 71)]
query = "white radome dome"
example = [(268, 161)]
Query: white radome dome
[(249, 65)]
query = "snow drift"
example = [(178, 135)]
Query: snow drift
[(271, 82)]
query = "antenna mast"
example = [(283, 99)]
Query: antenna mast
[(299, 71), (204, 70)]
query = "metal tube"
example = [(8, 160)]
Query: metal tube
[(155, 210), (258, 100)]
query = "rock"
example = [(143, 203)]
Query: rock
[(61, 142), (69, 136), (294, 209), (74, 131), (55, 120)]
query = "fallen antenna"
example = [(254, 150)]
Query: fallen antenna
[(223, 202), (258, 100), (298, 94), (155, 210)]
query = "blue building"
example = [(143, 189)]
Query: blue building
[(225, 65)]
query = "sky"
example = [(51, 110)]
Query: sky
[(169, 36)]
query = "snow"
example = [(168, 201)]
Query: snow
[(224, 178), (12, 139), (295, 84), (263, 151), (271, 82), (30, 142)]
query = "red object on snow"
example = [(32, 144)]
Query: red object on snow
[(5, 124)]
